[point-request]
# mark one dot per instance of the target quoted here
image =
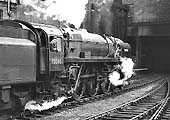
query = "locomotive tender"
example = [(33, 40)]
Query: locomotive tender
[(43, 61)]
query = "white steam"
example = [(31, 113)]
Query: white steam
[(45, 105), (126, 68), (114, 78)]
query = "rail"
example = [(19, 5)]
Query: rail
[(71, 104), (126, 110)]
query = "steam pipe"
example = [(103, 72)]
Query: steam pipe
[(104, 36)]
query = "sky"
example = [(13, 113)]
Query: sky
[(73, 11)]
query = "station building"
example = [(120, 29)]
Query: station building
[(149, 33)]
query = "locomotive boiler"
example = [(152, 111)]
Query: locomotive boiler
[(39, 61)]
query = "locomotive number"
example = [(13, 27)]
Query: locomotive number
[(56, 61)]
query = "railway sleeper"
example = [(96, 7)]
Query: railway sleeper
[(166, 115), (133, 112), (120, 116), (130, 111), (140, 107), (146, 104)]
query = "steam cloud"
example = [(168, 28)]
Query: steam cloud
[(127, 70), (45, 105)]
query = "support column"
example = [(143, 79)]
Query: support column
[(138, 51)]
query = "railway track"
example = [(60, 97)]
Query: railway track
[(27, 115), (147, 107), (143, 78), (163, 112)]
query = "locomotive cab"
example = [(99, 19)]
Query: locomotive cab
[(54, 43)]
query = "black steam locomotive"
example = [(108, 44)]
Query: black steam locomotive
[(43, 61)]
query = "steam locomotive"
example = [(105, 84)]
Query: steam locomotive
[(39, 61)]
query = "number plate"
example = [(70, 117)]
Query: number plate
[(56, 61)]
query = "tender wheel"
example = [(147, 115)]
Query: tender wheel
[(92, 88), (105, 86)]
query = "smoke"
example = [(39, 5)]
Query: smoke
[(125, 69), (45, 105), (73, 11)]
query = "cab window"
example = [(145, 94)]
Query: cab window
[(55, 44)]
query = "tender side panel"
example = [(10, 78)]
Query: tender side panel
[(17, 61)]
